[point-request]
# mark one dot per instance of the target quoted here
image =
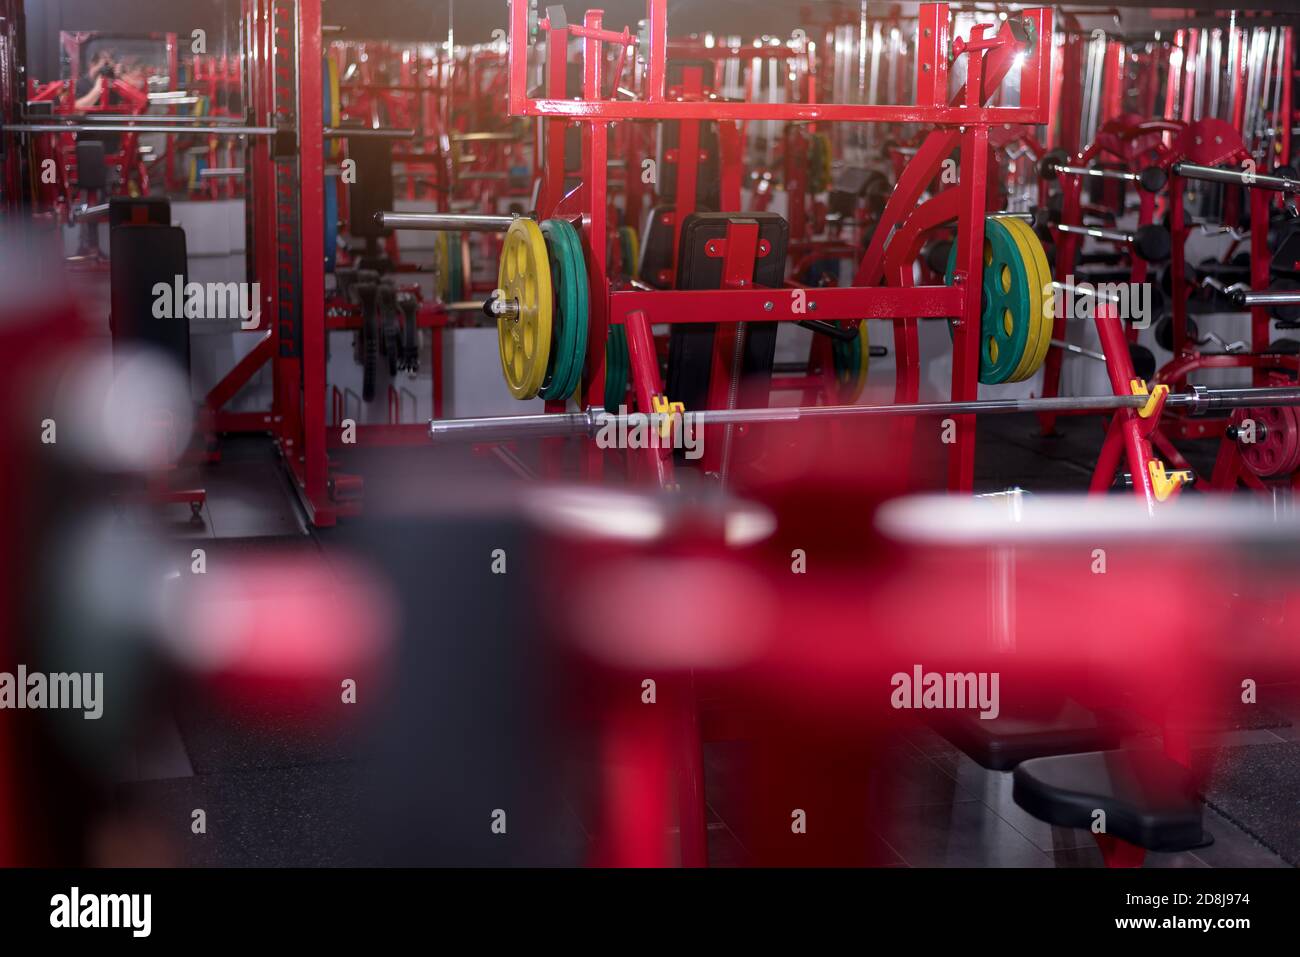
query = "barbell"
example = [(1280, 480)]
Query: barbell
[(1198, 401), (1056, 163), (1150, 242)]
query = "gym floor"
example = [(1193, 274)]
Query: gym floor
[(285, 795)]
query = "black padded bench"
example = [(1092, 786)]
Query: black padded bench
[(1149, 799), (1034, 731)]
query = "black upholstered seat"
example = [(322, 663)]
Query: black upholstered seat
[(1148, 798), (1039, 730)]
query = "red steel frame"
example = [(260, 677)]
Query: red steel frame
[(1208, 142), (283, 50), (963, 120), (282, 44)]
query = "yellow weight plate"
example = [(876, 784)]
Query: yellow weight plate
[(634, 243), (1026, 367), (1037, 257), (1026, 243), (466, 266), (524, 276), (1021, 371)]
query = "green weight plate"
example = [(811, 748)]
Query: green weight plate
[(566, 305), (577, 276), (569, 328), (1006, 303), (617, 365), (850, 364)]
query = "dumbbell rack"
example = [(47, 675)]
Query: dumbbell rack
[(1230, 467), (963, 120), (1118, 146)]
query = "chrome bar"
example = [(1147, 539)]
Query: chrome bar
[(1198, 401), (1097, 232), (137, 128), (135, 118), (484, 138), (1266, 298), (444, 221), (353, 132), (1213, 174), (1096, 171), (86, 214), (1078, 350), (221, 172)]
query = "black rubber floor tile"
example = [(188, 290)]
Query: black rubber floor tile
[(1257, 788)]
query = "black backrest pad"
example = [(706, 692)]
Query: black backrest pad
[(373, 190), (142, 256), (92, 169), (690, 354), (657, 247)]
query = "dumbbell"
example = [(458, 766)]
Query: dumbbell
[(1164, 332), (1282, 300), (1284, 347), (936, 256), (1143, 359), (1056, 163), (1149, 242)]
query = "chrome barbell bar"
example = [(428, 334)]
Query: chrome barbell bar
[(444, 222), (1215, 174), (1198, 401)]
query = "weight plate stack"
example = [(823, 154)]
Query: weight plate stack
[(571, 309), (1016, 314), (851, 360)]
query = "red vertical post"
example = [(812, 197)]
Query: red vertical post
[(1260, 259), (796, 170), (1287, 79), (732, 163), (595, 171), (657, 68), (688, 160), (557, 57), (1177, 265), (970, 263), (311, 199), (739, 254), (932, 44)]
